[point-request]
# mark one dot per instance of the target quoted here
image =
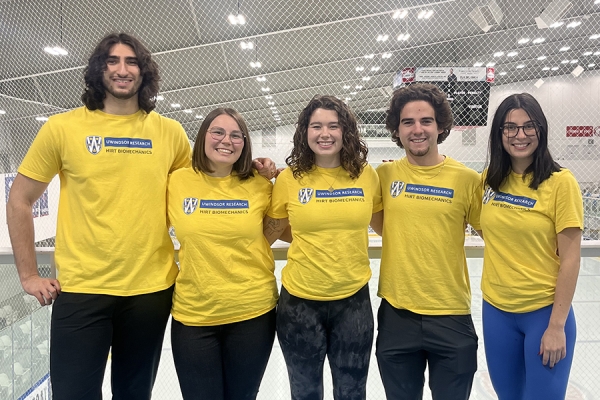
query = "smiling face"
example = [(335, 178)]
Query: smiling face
[(521, 147), (122, 78), (418, 133), (325, 137), (223, 153)]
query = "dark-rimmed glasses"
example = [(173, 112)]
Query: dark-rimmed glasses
[(219, 134), (512, 130)]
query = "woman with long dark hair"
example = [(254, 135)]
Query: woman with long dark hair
[(532, 220)]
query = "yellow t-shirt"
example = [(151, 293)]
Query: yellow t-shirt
[(112, 233), (520, 264), (226, 264), (425, 209), (328, 257)]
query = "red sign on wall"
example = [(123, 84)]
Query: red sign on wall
[(580, 131)]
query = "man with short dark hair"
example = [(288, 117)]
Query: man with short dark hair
[(114, 256), (428, 198)]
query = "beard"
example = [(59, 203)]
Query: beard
[(120, 94)]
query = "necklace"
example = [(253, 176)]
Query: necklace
[(326, 181)]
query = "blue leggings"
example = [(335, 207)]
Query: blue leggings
[(512, 346)]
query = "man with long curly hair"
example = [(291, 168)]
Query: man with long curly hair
[(114, 256), (428, 198)]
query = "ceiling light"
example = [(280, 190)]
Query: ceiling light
[(540, 58), (574, 61), (511, 54), (520, 66), (236, 19), (369, 56), (348, 98), (175, 105), (425, 14), (539, 40), (358, 87), (358, 69), (400, 14), (478, 64), (577, 71), (375, 68), (382, 38), (573, 24), (261, 78), (353, 93), (546, 69), (188, 111), (523, 41), (403, 37), (255, 64), (594, 37), (592, 65), (56, 51), (386, 55), (597, 53), (160, 98), (268, 97), (554, 68), (557, 24), (273, 108), (247, 45), (502, 73), (346, 86), (588, 53), (564, 62), (265, 89), (2, 112), (198, 116), (564, 48), (490, 64), (597, 2), (498, 54), (41, 119), (366, 78), (271, 103)]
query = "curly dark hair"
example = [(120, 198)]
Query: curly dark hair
[(499, 163), (95, 92), (200, 162), (353, 155), (420, 92)]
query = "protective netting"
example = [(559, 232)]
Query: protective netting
[(285, 53)]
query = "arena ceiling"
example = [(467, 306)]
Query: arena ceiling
[(304, 47)]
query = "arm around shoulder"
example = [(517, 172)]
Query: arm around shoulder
[(23, 194)]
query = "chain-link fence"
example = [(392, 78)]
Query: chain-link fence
[(286, 52)]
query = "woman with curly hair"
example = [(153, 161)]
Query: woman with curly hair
[(327, 196)]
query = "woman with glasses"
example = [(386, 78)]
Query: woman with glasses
[(225, 295), (532, 219), (328, 196)]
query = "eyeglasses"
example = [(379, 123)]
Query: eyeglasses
[(512, 130), (234, 137)]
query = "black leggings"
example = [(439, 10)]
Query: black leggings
[(223, 362), (83, 329), (309, 330)]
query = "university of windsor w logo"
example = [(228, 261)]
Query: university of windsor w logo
[(488, 195), (304, 195), (189, 205), (93, 144), (396, 188)]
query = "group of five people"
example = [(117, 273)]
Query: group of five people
[(128, 173)]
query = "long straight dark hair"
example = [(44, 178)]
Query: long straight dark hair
[(499, 164)]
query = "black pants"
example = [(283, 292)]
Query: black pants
[(223, 362), (406, 342), (309, 330), (83, 329)]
